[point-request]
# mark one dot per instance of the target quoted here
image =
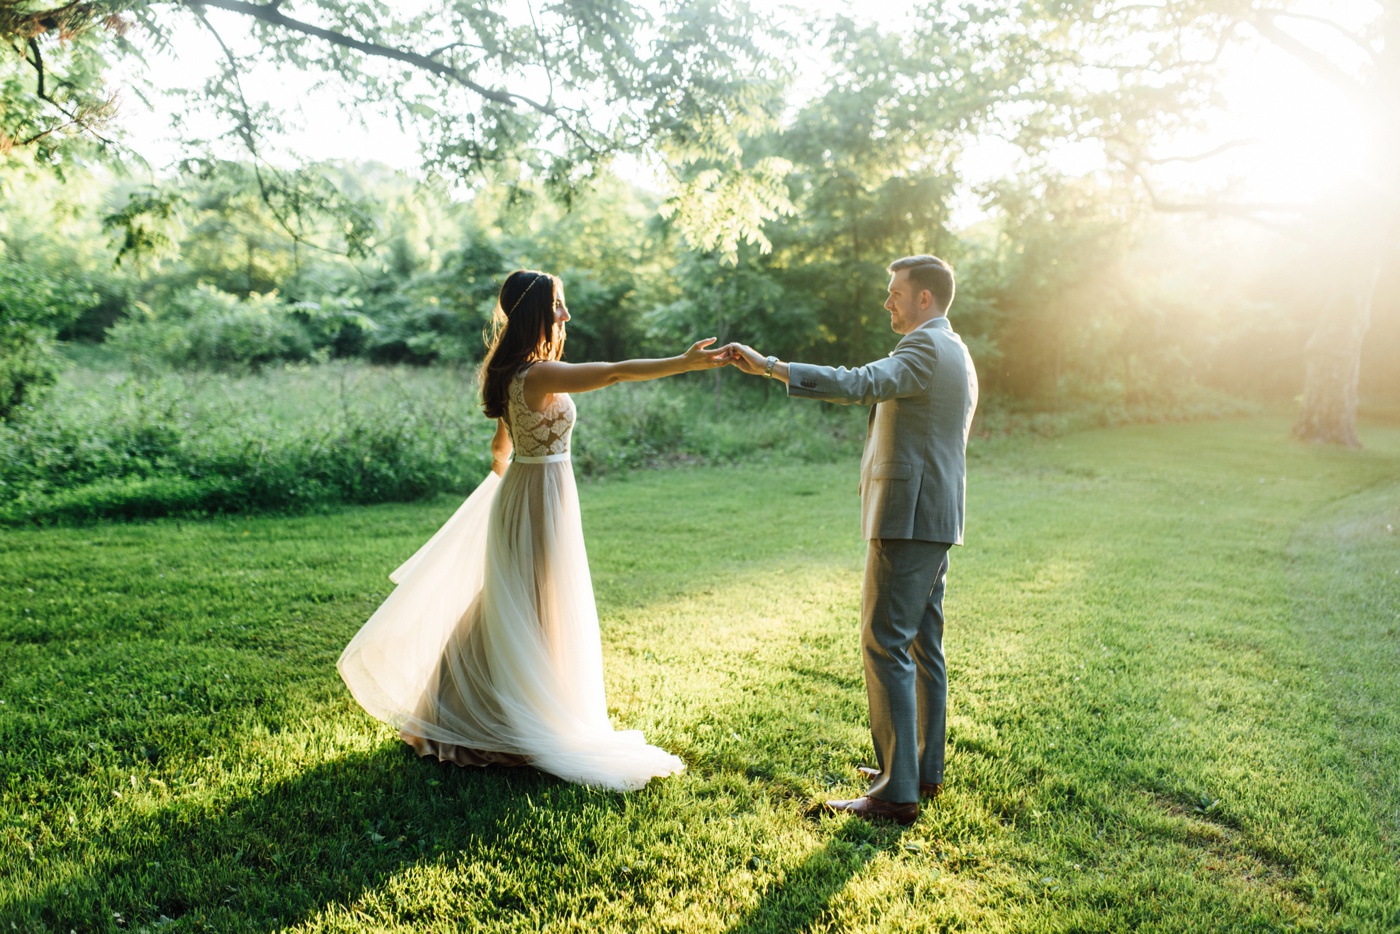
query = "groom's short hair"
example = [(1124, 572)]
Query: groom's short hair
[(928, 272)]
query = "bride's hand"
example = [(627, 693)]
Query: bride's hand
[(700, 357)]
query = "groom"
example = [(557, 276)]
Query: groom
[(912, 478)]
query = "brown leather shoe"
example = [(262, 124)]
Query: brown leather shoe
[(926, 789), (874, 809)]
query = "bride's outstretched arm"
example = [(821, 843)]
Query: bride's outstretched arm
[(551, 376), (500, 448)]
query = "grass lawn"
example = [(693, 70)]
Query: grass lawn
[(1174, 655)]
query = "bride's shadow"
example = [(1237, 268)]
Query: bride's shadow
[(277, 857)]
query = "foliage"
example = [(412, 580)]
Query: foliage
[(211, 329), (53, 64), (503, 93), (52, 262), (438, 314), (614, 257), (33, 305), (1171, 64), (1187, 726), (780, 206), (873, 162), (1067, 302), (1071, 294), (116, 444)]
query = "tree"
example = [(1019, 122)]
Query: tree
[(874, 173), (33, 306), (1168, 62), (1064, 296), (550, 93), (54, 265)]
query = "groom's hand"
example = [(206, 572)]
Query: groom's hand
[(747, 359)]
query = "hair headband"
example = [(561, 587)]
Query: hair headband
[(538, 277)]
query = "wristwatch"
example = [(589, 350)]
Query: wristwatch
[(768, 370)]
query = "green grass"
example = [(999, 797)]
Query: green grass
[(1175, 677)]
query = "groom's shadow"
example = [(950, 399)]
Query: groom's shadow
[(278, 856), (806, 891)]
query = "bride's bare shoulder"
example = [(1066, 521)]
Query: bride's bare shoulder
[(537, 382)]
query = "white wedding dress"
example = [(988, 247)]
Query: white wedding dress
[(488, 649)]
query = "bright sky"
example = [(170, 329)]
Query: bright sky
[(1307, 134)]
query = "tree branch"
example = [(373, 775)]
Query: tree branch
[(1200, 156), (270, 14), (250, 136), (38, 63), (1320, 64), (1252, 212), (245, 113), (544, 50), (455, 45), (83, 122), (1356, 39)]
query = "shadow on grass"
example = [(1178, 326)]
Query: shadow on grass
[(848, 681), (805, 892), (291, 847)]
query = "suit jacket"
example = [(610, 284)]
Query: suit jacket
[(913, 474)]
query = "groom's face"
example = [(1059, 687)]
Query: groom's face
[(906, 310)]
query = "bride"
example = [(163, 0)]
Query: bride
[(488, 652)]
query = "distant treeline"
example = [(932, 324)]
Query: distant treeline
[(1066, 291)]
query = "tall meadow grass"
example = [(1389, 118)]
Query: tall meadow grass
[(116, 442)]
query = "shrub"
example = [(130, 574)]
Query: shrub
[(118, 445), (678, 421), (34, 306), (126, 446), (209, 329)]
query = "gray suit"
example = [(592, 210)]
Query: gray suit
[(913, 476)]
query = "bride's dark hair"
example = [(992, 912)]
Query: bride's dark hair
[(521, 331)]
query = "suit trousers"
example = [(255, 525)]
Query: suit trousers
[(906, 679)]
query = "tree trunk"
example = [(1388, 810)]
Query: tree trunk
[(1333, 353), (1333, 359), (1363, 240)]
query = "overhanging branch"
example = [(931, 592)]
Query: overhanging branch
[(83, 121), (1255, 212), (1320, 64), (1200, 156), (271, 14), (1359, 41)]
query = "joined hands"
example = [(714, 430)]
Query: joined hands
[(703, 355), (746, 358)]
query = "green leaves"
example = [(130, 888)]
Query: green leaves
[(147, 225), (52, 66), (519, 92), (34, 304), (715, 210)]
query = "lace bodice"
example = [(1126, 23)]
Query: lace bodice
[(536, 434)]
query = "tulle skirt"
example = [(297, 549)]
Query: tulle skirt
[(488, 649)]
